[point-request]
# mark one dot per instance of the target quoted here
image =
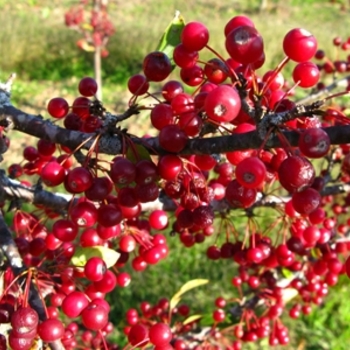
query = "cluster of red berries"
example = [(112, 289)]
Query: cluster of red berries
[(108, 198), (329, 66), (95, 25)]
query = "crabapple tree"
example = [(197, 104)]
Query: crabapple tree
[(231, 137), (90, 19)]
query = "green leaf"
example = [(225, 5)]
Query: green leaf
[(185, 288), (137, 152), (287, 273), (191, 319), (171, 36), (83, 254)]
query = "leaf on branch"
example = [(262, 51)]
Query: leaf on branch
[(171, 37), (185, 288), (83, 254), (192, 319), (137, 152), (84, 45), (87, 26)]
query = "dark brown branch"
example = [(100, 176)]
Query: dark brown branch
[(59, 202), (111, 144), (36, 195)]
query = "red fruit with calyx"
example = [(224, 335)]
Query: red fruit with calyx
[(239, 196), (123, 171), (296, 173), (251, 172), (314, 143), (222, 104), (24, 320), (79, 180), (244, 44)]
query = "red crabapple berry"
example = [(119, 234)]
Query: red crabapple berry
[(314, 143), (94, 269), (185, 58), (74, 303), (53, 174), (216, 71), (58, 107), (170, 166), (244, 44), (24, 320), (219, 315), (299, 45), (194, 36), (172, 138), (161, 116), (88, 87), (94, 316), (295, 173), (160, 334), (158, 219), (138, 335), (50, 330), (138, 84), (239, 196), (171, 88), (251, 172), (222, 104), (156, 66), (237, 21), (306, 201), (306, 74)]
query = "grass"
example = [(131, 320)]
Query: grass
[(35, 43)]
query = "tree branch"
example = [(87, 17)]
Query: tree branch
[(112, 144)]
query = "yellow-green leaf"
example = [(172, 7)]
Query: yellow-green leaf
[(83, 254), (287, 273), (172, 36), (86, 46), (87, 26), (185, 288), (192, 319)]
